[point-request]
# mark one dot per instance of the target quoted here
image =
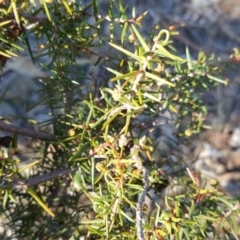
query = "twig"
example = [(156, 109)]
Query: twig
[(140, 202), (26, 132), (235, 208), (23, 184)]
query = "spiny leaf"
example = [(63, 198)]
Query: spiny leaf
[(40, 202), (152, 76), (140, 38), (132, 55)]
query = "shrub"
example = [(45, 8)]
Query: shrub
[(112, 165)]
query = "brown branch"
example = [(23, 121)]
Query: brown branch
[(27, 132), (24, 184)]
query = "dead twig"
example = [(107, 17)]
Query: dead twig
[(140, 233)]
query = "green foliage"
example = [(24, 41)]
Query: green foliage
[(94, 125)]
